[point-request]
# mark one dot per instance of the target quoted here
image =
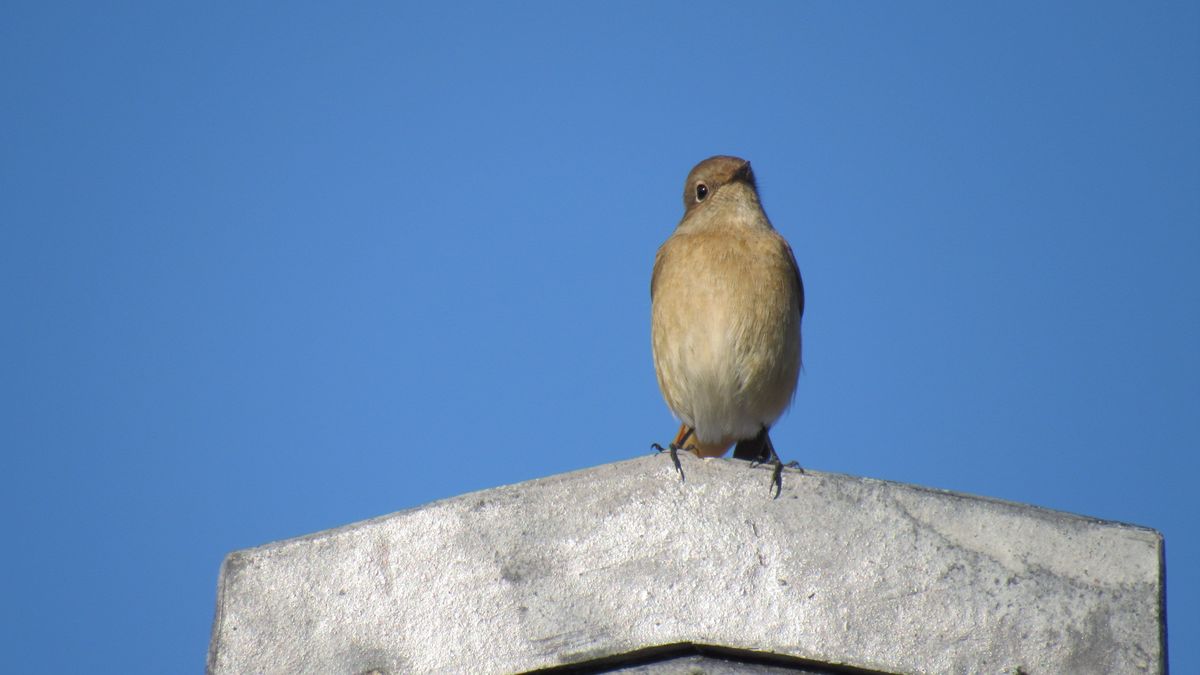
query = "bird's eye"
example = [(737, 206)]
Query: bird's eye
[(701, 191)]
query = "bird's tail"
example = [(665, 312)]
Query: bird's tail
[(687, 440)]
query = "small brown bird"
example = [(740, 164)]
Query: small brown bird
[(726, 302)]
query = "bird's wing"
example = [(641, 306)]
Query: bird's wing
[(658, 260), (796, 270)]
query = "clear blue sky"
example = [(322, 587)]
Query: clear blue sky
[(267, 269)]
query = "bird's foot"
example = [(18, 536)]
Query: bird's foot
[(777, 474), (760, 450), (674, 450)]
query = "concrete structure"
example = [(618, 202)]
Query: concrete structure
[(624, 568)]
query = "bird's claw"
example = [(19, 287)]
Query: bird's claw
[(674, 450), (777, 475)]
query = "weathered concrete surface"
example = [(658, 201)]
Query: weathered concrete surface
[(585, 565)]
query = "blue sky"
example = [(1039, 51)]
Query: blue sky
[(267, 269)]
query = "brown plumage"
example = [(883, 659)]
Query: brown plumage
[(727, 299)]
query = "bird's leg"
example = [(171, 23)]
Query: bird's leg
[(760, 450), (685, 432), (777, 473)]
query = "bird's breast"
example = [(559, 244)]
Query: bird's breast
[(726, 325)]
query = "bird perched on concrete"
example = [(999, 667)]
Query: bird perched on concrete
[(726, 302)]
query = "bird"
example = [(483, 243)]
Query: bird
[(726, 301)]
